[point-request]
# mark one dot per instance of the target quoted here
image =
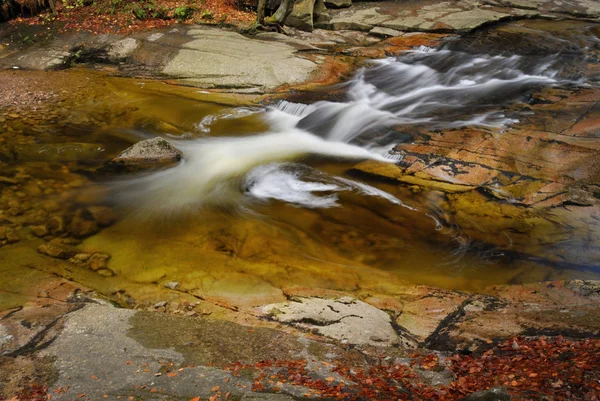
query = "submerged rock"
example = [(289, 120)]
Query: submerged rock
[(148, 153), (58, 248)]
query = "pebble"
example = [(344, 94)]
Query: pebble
[(160, 304), (171, 285)]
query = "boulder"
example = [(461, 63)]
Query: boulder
[(153, 152), (306, 13)]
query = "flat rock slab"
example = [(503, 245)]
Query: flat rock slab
[(215, 58), (453, 16), (128, 354), (346, 319)]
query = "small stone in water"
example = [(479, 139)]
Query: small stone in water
[(160, 304), (105, 272), (171, 284), (39, 231)]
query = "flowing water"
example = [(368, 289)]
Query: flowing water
[(267, 197)]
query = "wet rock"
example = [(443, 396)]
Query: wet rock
[(57, 248), (98, 261), (348, 320), (83, 224), (81, 258), (103, 215), (587, 288), (171, 285), (39, 231), (12, 236), (8, 235), (105, 272), (494, 394), (56, 225), (149, 153)]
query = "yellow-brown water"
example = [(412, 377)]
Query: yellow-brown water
[(365, 245)]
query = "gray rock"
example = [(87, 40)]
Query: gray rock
[(150, 151), (494, 394), (306, 13), (122, 49), (345, 319), (171, 285), (215, 58), (384, 32)]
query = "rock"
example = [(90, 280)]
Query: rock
[(83, 225), (9, 235), (147, 153), (98, 261), (122, 49), (105, 272), (39, 231), (306, 13), (348, 320), (103, 215), (58, 249), (494, 394), (81, 257), (160, 304), (56, 225), (384, 32), (171, 285), (12, 236), (338, 3), (266, 65)]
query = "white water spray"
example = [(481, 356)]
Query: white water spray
[(434, 89)]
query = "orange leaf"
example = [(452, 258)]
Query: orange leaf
[(195, 399), (172, 374), (330, 379), (215, 388)]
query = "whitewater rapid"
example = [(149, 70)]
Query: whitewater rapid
[(426, 88)]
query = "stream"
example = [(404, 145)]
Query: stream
[(274, 196)]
